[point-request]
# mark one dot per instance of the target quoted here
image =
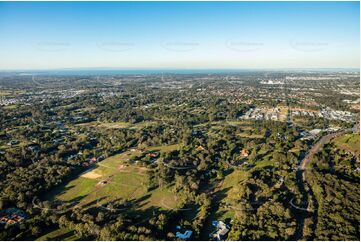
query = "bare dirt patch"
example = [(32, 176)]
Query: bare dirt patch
[(91, 175), (122, 167)]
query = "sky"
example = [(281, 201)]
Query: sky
[(179, 35)]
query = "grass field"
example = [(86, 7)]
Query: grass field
[(251, 136), (164, 148), (231, 182), (233, 123), (232, 191), (114, 179), (119, 125), (265, 161), (349, 142), (12, 106), (111, 180)]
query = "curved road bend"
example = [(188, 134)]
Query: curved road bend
[(301, 177)]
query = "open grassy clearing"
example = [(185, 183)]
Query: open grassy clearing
[(231, 182), (162, 197), (165, 148), (283, 113), (110, 180), (349, 142), (119, 125), (246, 126), (12, 106), (266, 161), (114, 180), (231, 189), (251, 136), (245, 123)]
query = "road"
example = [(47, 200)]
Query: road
[(301, 177), (319, 144), (316, 147)]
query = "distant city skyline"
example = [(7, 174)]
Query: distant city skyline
[(179, 35)]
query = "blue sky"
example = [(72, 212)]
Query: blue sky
[(51, 35)]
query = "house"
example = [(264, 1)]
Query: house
[(315, 131), (222, 230), (153, 155), (93, 160), (12, 216), (244, 153)]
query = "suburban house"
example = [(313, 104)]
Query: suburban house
[(153, 155), (244, 153), (221, 231), (12, 216)]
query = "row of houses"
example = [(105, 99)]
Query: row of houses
[(276, 114), (12, 216)]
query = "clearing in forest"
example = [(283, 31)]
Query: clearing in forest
[(115, 180), (349, 142)]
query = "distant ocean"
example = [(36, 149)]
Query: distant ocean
[(110, 72)]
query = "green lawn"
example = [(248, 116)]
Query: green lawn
[(251, 136), (349, 142), (265, 162), (245, 123), (12, 106), (165, 148), (231, 182), (119, 125), (114, 179), (162, 197)]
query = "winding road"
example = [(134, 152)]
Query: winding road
[(317, 146), (301, 175)]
